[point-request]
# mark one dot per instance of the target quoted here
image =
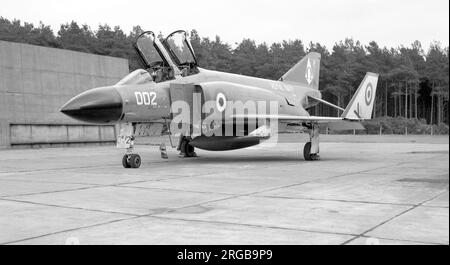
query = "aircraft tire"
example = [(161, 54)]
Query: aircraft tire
[(306, 152), (187, 149), (135, 161), (190, 150), (125, 163)]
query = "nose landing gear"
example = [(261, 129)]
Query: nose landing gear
[(126, 140), (131, 161)]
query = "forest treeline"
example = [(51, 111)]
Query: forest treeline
[(414, 80)]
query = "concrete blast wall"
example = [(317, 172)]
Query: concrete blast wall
[(36, 81)]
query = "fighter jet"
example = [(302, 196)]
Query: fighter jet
[(212, 110)]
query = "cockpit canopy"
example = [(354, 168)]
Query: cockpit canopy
[(180, 48), (166, 58), (148, 51)]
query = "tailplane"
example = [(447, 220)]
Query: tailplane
[(305, 72), (361, 105)]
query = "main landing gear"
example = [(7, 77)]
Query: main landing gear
[(311, 149), (186, 150)]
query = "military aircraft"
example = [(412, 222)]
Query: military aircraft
[(146, 102)]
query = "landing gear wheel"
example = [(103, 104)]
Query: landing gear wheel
[(135, 161), (125, 162), (307, 153), (187, 149), (190, 151)]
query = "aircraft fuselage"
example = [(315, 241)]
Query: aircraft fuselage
[(151, 102)]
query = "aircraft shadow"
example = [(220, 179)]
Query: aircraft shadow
[(209, 159), (246, 159)]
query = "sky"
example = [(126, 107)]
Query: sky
[(390, 23)]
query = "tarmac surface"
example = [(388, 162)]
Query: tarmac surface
[(369, 190)]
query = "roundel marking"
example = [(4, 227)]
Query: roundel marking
[(221, 102), (369, 94)]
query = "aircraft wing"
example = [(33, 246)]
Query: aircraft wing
[(334, 123), (287, 118)]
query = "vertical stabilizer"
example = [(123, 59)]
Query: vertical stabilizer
[(305, 72)]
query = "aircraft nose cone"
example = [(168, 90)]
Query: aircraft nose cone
[(98, 105)]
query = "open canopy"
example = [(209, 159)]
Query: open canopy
[(180, 49), (148, 51), (168, 58)]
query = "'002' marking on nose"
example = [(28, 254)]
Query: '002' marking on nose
[(145, 98)]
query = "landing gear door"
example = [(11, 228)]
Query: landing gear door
[(187, 101)]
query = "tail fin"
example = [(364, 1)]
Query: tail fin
[(361, 105), (305, 72)]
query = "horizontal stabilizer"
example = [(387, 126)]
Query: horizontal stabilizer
[(325, 102)]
